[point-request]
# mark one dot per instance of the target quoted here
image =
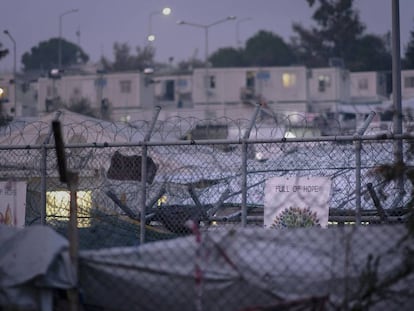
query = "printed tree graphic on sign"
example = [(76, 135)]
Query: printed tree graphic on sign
[(295, 217)]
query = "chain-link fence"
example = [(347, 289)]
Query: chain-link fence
[(212, 224)]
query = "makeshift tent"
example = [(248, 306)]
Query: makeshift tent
[(34, 262), (243, 268)]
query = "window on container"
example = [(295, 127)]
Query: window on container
[(363, 84), (288, 80), (182, 83), (77, 92), (49, 91), (263, 75), (250, 79), (409, 82), (324, 81), (125, 86), (212, 82), (169, 90)]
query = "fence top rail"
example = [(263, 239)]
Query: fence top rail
[(348, 138)]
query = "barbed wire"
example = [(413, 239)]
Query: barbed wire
[(78, 128)]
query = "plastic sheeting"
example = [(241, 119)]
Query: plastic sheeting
[(241, 268), (33, 262)]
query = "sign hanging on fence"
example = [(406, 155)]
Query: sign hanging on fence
[(12, 203), (292, 202)]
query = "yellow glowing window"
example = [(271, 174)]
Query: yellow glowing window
[(288, 80), (3, 92), (58, 205)]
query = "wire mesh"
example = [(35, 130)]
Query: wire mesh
[(197, 254)]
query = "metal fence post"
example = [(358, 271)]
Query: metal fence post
[(144, 176), (396, 95), (358, 146), (43, 174), (72, 180), (244, 167), (43, 187)]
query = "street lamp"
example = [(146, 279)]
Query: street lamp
[(165, 11), (7, 33), (206, 28), (60, 35), (238, 41)]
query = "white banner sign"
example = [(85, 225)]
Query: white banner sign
[(13, 203), (292, 202)]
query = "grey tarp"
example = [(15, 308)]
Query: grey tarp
[(33, 262), (249, 267)]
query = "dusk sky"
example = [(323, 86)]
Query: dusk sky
[(104, 22)]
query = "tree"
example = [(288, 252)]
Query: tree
[(82, 106), (267, 49), (408, 62), (125, 61), (45, 55), (336, 35), (227, 57), (371, 53)]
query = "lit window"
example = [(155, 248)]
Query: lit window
[(288, 80), (58, 206), (125, 118), (363, 84), (125, 86), (3, 92), (409, 82)]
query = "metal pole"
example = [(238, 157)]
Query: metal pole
[(143, 192), (165, 11), (396, 92), (396, 72), (244, 167), (73, 236), (206, 27), (144, 157), (150, 36), (358, 147), (60, 43), (206, 79), (15, 77), (7, 33), (152, 125), (60, 36), (43, 186), (43, 174), (72, 180), (238, 41)]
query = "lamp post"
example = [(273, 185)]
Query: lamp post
[(7, 33), (165, 11), (60, 35), (206, 29), (238, 41)]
